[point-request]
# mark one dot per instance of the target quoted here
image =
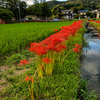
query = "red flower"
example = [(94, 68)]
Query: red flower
[(75, 50), (56, 30), (59, 48), (31, 79), (50, 47), (62, 27), (38, 49), (57, 41), (46, 60), (77, 46), (23, 62), (27, 78)]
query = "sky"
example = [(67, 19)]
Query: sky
[(30, 2)]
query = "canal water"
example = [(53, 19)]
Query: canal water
[(90, 69)]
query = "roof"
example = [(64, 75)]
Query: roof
[(83, 10), (67, 10)]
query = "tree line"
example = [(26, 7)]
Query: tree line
[(10, 9), (43, 9)]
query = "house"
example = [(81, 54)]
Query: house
[(83, 12), (67, 13), (32, 17), (98, 13), (94, 11)]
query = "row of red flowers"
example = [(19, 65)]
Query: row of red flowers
[(54, 42), (51, 47), (94, 21)]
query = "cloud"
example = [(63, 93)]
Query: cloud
[(29, 2)]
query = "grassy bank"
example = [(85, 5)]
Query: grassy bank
[(63, 84)]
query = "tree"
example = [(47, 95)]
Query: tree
[(5, 14), (75, 9), (88, 13), (23, 11), (46, 12), (57, 11), (35, 10), (13, 6)]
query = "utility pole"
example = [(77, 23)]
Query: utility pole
[(19, 12), (57, 10), (91, 7)]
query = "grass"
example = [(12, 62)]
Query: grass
[(15, 37)]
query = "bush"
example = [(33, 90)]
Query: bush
[(29, 18), (5, 14)]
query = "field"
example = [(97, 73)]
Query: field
[(51, 70), (14, 37)]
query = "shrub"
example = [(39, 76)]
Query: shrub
[(5, 14)]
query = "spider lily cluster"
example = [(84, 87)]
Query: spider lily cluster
[(94, 21), (50, 50)]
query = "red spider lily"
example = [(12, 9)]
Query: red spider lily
[(46, 60), (27, 78), (60, 48), (56, 30), (57, 41), (50, 47), (62, 27), (77, 46), (23, 62), (33, 44), (31, 79), (54, 40), (75, 50), (38, 49)]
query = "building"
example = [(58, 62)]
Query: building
[(97, 12), (67, 13), (94, 11), (83, 12), (32, 17)]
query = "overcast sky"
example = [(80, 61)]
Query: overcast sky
[(30, 2)]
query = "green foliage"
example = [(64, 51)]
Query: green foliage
[(46, 12), (35, 10), (57, 11), (53, 3), (62, 85), (16, 58), (40, 10), (77, 16), (13, 5), (84, 93), (5, 14), (29, 18), (77, 5)]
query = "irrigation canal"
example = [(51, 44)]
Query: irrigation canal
[(90, 69)]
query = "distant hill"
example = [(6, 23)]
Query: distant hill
[(51, 4), (80, 4)]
